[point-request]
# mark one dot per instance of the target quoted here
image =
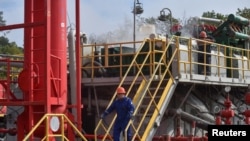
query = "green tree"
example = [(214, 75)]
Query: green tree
[(245, 12), (214, 15), (7, 47), (124, 30), (2, 22)]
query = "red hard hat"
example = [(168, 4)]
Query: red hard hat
[(120, 90), (203, 34)]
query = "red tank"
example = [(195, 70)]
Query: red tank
[(44, 76)]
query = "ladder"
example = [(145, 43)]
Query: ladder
[(151, 95)]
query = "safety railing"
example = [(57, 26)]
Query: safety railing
[(104, 60), (9, 71), (56, 125), (151, 64), (154, 96), (112, 60), (220, 60), (102, 127), (182, 55), (10, 66)]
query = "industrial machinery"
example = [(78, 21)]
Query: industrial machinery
[(42, 80), (58, 93), (172, 98)]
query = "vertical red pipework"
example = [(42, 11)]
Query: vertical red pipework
[(3, 109), (218, 120), (246, 113), (178, 130), (27, 76), (191, 137), (44, 77), (58, 52), (227, 113), (247, 97), (78, 66)]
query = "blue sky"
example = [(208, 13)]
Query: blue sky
[(102, 16)]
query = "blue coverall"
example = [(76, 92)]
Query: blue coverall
[(124, 109)]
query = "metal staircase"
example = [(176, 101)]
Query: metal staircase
[(151, 95), (150, 107)]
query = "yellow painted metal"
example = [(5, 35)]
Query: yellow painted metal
[(185, 65), (46, 118), (156, 112), (100, 126), (152, 102), (138, 96)]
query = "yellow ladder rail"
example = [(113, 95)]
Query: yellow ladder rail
[(152, 102), (101, 122), (46, 119)]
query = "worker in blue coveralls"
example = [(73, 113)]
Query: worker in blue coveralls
[(124, 109)]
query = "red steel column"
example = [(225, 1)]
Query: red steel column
[(44, 76)]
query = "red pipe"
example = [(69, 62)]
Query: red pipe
[(227, 113), (247, 97), (11, 131), (193, 128), (44, 76), (218, 120), (246, 113), (247, 116), (156, 138), (78, 66), (247, 120), (3, 109), (178, 132)]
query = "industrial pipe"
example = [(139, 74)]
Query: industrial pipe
[(190, 118), (208, 20), (238, 19)]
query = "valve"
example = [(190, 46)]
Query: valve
[(227, 113), (246, 113), (218, 120), (10, 131)]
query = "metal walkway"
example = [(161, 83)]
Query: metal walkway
[(156, 73)]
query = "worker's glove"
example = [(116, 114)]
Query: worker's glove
[(131, 116), (104, 115)]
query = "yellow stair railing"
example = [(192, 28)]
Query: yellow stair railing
[(61, 134), (164, 68), (101, 126), (144, 98), (155, 99)]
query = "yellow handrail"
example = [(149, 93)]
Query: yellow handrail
[(181, 60), (187, 64), (46, 119)]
